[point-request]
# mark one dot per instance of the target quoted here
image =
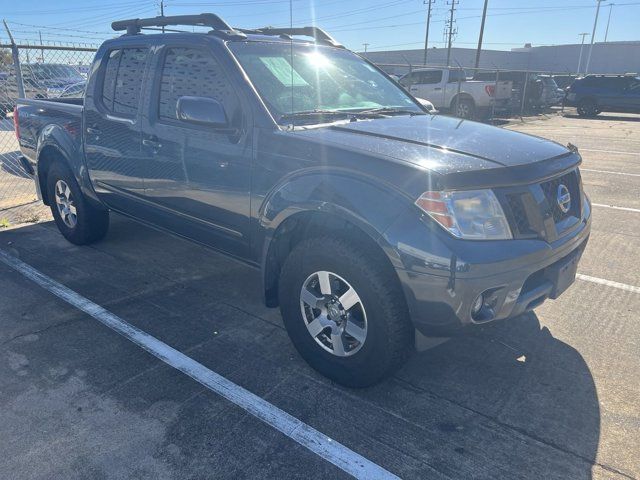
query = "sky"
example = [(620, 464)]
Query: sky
[(382, 24)]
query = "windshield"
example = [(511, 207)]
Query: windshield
[(53, 70), (320, 80)]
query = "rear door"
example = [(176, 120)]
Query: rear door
[(611, 92), (632, 95), (112, 127), (427, 84), (197, 178)]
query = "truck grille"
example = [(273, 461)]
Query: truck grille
[(529, 208), (550, 190)]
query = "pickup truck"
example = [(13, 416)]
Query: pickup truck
[(448, 89), (373, 223)]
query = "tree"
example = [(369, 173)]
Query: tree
[(6, 58)]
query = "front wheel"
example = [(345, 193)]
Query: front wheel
[(344, 311), (79, 221), (588, 108)]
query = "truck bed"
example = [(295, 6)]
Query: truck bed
[(62, 117)]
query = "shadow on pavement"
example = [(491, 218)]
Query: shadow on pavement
[(604, 116)]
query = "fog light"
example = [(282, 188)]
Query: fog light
[(477, 305)]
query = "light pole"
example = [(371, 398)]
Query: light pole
[(593, 34), (606, 33), (365, 45), (581, 46)]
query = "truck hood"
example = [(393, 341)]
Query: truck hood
[(440, 144)]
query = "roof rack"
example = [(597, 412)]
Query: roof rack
[(316, 33), (220, 27)]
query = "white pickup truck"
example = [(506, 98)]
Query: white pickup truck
[(449, 90)]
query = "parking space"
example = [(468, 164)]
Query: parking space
[(547, 395)]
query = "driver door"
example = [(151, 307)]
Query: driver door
[(197, 178)]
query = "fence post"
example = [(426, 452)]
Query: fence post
[(495, 96), (524, 94), (16, 61)]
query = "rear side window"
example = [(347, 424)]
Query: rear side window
[(193, 72), (429, 77), (122, 81)]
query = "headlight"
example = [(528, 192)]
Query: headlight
[(468, 214)]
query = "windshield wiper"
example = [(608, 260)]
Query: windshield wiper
[(315, 113), (389, 111)]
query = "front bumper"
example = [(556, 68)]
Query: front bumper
[(442, 277)]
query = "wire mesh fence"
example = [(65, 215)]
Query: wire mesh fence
[(32, 71)]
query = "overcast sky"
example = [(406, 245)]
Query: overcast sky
[(384, 24)]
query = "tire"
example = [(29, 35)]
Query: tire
[(388, 338), (588, 108), (89, 224), (464, 108)]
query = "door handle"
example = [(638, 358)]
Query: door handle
[(437, 89), (152, 143), (93, 131)]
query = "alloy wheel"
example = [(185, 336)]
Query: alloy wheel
[(333, 313), (65, 204)]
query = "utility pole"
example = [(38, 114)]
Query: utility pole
[(162, 12), (426, 35), (581, 46), (606, 33), (451, 30), (593, 34), (365, 45), (484, 16)]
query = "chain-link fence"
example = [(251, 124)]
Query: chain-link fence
[(32, 71)]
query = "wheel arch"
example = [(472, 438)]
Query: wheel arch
[(461, 96), (317, 201)]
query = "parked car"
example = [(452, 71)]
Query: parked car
[(551, 93), (564, 81), (367, 217), (75, 90), (40, 80), (604, 93), (532, 93), (448, 89)]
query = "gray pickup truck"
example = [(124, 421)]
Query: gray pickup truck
[(369, 218)]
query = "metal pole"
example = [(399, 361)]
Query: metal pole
[(581, 46), (41, 50), (426, 35), (593, 34), (495, 94), (484, 16), (606, 33), (524, 93), (162, 12), (365, 47), (453, 8), (16, 61)]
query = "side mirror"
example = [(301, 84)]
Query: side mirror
[(202, 111)]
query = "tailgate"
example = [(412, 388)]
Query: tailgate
[(503, 90)]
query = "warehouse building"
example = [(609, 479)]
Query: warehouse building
[(610, 57)]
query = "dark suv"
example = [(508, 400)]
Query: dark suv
[(604, 93), (367, 217)]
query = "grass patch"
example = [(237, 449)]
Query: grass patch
[(4, 223)]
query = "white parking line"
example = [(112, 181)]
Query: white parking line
[(617, 152), (608, 283), (626, 209), (307, 436), (610, 172)]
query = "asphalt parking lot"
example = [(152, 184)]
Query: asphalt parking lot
[(555, 394)]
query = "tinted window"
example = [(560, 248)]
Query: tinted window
[(429, 76), (457, 75), (123, 80), (193, 72)]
